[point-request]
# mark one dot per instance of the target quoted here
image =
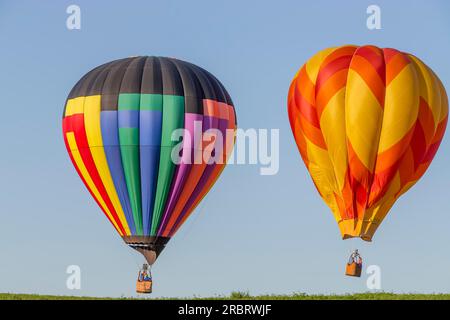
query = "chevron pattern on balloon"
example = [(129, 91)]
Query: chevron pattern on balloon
[(367, 122)]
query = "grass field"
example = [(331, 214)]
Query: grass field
[(246, 296)]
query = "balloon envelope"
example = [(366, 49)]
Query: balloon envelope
[(118, 127), (367, 122)]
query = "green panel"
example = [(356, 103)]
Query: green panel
[(129, 101), (129, 150), (173, 118), (151, 101)]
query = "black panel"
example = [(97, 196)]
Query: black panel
[(207, 88), (76, 90), (152, 77), (96, 87), (132, 79), (87, 83), (111, 87), (171, 80), (226, 96), (217, 88), (193, 93)]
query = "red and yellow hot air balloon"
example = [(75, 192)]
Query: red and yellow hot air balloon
[(368, 122)]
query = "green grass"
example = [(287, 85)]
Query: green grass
[(246, 296)]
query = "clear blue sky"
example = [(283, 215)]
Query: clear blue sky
[(265, 234)]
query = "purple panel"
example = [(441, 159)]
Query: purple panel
[(222, 126)]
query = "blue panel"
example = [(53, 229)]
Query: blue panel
[(110, 135), (150, 122)]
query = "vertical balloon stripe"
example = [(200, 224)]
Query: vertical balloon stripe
[(427, 83), (363, 119), (400, 117), (364, 99), (110, 133), (172, 119), (400, 111), (195, 174), (77, 162), (191, 122), (83, 171), (332, 124), (150, 124), (216, 116), (210, 176), (94, 136), (130, 162), (210, 121), (91, 173), (90, 166), (128, 121), (307, 129), (199, 186)]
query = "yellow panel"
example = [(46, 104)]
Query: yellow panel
[(84, 172), (74, 106), (322, 173), (400, 108), (390, 196), (428, 87), (92, 110), (314, 63), (332, 123), (364, 116), (444, 101), (441, 103), (368, 229)]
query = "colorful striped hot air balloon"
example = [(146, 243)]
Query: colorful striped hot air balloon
[(367, 122), (118, 124)]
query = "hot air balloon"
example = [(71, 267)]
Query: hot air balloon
[(118, 126), (368, 122)]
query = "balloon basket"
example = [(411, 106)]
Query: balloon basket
[(144, 286), (353, 269)]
